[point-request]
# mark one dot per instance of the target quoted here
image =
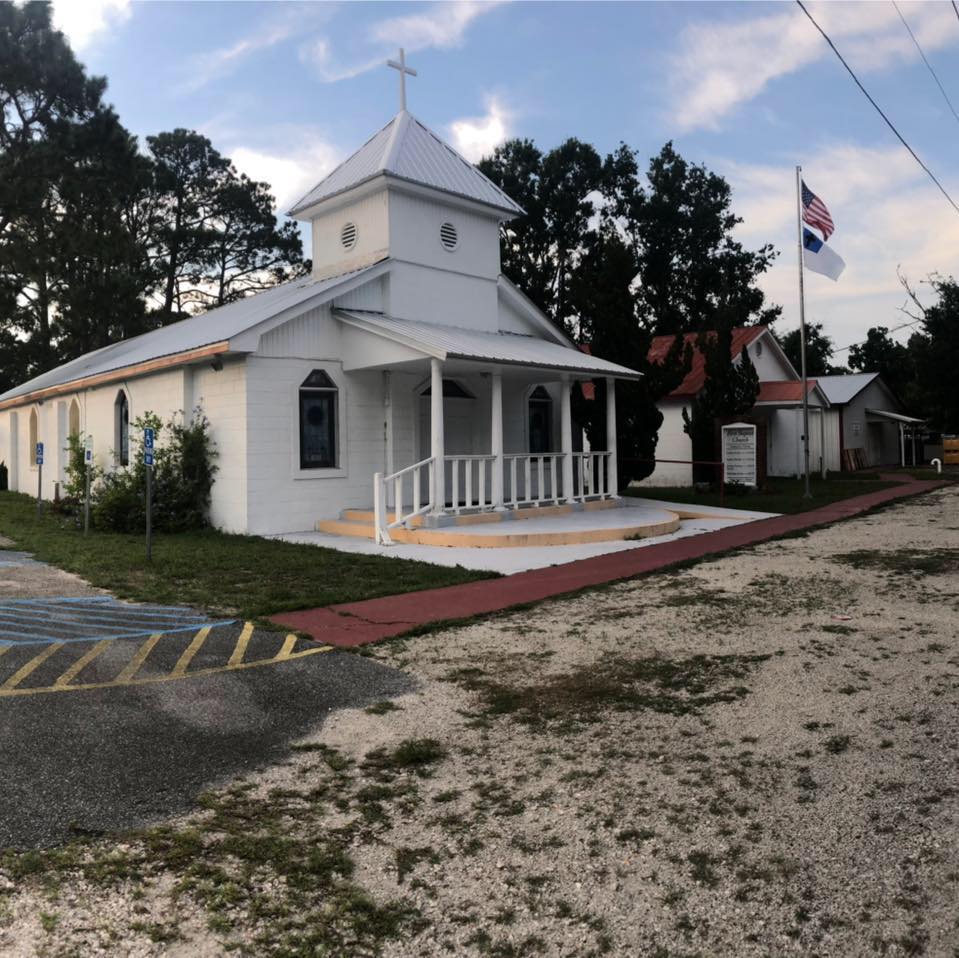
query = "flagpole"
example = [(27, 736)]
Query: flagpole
[(807, 493)]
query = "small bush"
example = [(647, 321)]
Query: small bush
[(183, 474), (4, 478)]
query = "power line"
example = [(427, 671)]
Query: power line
[(889, 123), (889, 332), (954, 7), (942, 89)]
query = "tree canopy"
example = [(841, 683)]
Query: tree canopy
[(98, 240), (616, 257), (819, 351)]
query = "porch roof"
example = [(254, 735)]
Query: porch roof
[(895, 417), (454, 342)]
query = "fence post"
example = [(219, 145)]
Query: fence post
[(380, 535)]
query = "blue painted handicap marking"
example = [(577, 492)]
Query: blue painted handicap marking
[(63, 619)]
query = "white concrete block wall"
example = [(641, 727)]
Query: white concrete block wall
[(222, 396), (281, 496)]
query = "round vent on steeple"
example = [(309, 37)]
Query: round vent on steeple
[(348, 235), (449, 237)]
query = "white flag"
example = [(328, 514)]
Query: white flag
[(819, 257)]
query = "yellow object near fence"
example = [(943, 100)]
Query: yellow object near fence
[(950, 451)]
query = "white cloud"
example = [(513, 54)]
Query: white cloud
[(292, 173), (211, 65), (442, 25), (83, 20), (476, 137), (722, 65), (887, 215)]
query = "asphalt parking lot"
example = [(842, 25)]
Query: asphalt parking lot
[(113, 715)]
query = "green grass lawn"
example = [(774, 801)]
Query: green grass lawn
[(780, 495), (238, 575)]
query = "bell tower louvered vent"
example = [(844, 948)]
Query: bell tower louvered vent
[(449, 237), (348, 235)]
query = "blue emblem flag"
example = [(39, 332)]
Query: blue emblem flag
[(820, 258)]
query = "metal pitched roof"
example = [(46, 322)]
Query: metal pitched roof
[(454, 342), (408, 150), (842, 389), (215, 326), (784, 391)]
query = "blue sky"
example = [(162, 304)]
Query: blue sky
[(749, 89)]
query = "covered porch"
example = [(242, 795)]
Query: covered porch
[(479, 425)]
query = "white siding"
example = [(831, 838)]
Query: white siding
[(454, 299), (673, 444), (370, 216), (415, 236)]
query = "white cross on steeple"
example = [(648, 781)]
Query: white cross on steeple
[(403, 69)]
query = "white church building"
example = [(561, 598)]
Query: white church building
[(407, 371)]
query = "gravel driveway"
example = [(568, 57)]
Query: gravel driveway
[(753, 756)]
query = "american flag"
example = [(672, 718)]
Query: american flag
[(814, 212)]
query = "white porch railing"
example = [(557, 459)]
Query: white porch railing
[(532, 479), (591, 478), (468, 477), (412, 478)]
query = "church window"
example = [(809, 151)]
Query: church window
[(318, 414), (540, 421), (121, 428), (451, 390), (74, 426), (348, 235), (34, 429), (449, 237)]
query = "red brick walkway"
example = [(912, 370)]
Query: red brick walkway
[(358, 623)]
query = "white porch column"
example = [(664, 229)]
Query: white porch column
[(437, 437), (902, 446), (566, 438), (612, 476), (496, 440), (822, 442)]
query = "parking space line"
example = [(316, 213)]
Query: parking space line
[(26, 670), (289, 644), (191, 650), (241, 643), (133, 666), (81, 663)]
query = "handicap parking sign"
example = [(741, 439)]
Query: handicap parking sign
[(148, 446), (88, 451), (39, 453)]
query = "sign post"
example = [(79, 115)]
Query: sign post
[(739, 453), (148, 462), (39, 459), (87, 467)]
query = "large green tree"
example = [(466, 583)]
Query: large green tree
[(819, 350), (615, 257), (880, 353)]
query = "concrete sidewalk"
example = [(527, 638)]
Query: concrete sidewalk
[(359, 623)]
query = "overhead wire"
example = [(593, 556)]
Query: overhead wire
[(878, 109), (935, 76)]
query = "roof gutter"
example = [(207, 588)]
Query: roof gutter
[(118, 375)]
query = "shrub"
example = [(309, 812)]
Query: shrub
[(4, 480), (183, 474)]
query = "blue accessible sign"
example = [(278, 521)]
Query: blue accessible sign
[(39, 455), (148, 435), (88, 450)]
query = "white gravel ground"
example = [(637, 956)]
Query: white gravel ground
[(753, 756)]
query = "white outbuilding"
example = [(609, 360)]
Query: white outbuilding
[(406, 356)]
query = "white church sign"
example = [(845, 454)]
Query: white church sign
[(739, 453)]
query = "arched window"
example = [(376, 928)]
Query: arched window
[(121, 417), (73, 428), (540, 421), (34, 430), (318, 419)]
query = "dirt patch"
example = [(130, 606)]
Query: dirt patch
[(755, 756)]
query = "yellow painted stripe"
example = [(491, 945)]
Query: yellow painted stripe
[(4, 649), (81, 663), (152, 679), (191, 650), (241, 643), (26, 670), (289, 644), (133, 666)]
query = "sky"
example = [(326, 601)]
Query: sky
[(288, 90)]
